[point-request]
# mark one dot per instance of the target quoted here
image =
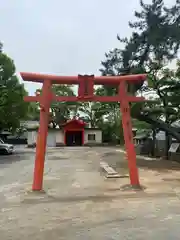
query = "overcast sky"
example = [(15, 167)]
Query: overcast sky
[(65, 37)]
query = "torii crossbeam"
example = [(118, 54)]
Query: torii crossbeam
[(85, 93)]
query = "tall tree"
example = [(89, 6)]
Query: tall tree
[(154, 42), (157, 43), (12, 106)]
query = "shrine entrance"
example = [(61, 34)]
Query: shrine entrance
[(73, 138), (85, 94), (74, 132)]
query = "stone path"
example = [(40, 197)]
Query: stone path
[(80, 203)]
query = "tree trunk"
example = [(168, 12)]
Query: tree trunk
[(159, 124), (167, 138), (167, 146), (153, 143)]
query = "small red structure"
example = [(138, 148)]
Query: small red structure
[(85, 93), (74, 132)]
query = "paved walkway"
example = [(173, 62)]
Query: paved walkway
[(80, 203)]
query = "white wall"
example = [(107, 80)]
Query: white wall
[(98, 135), (59, 136), (53, 137), (31, 137)]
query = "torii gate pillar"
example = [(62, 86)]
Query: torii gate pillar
[(42, 137), (128, 136), (85, 93)]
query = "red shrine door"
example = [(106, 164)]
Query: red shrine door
[(74, 133)]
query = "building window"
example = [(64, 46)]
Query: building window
[(91, 137)]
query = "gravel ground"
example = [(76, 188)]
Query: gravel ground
[(79, 203)]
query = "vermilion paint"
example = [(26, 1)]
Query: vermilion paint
[(85, 93), (128, 135), (73, 126), (42, 138)]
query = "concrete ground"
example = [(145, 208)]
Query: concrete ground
[(80, 203)]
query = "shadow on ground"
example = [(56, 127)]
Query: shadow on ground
[(115, 160), (159, 165), (39, 199), (15, 157), (68, 199)]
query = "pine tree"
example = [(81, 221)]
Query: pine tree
[(153, 44)]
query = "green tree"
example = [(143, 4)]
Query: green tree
[(12, 106), (33, 111), (92, 113), (60, 112), (157, 42), (165, 85), (154, 42)]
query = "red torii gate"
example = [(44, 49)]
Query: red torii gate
[(85, 93)]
